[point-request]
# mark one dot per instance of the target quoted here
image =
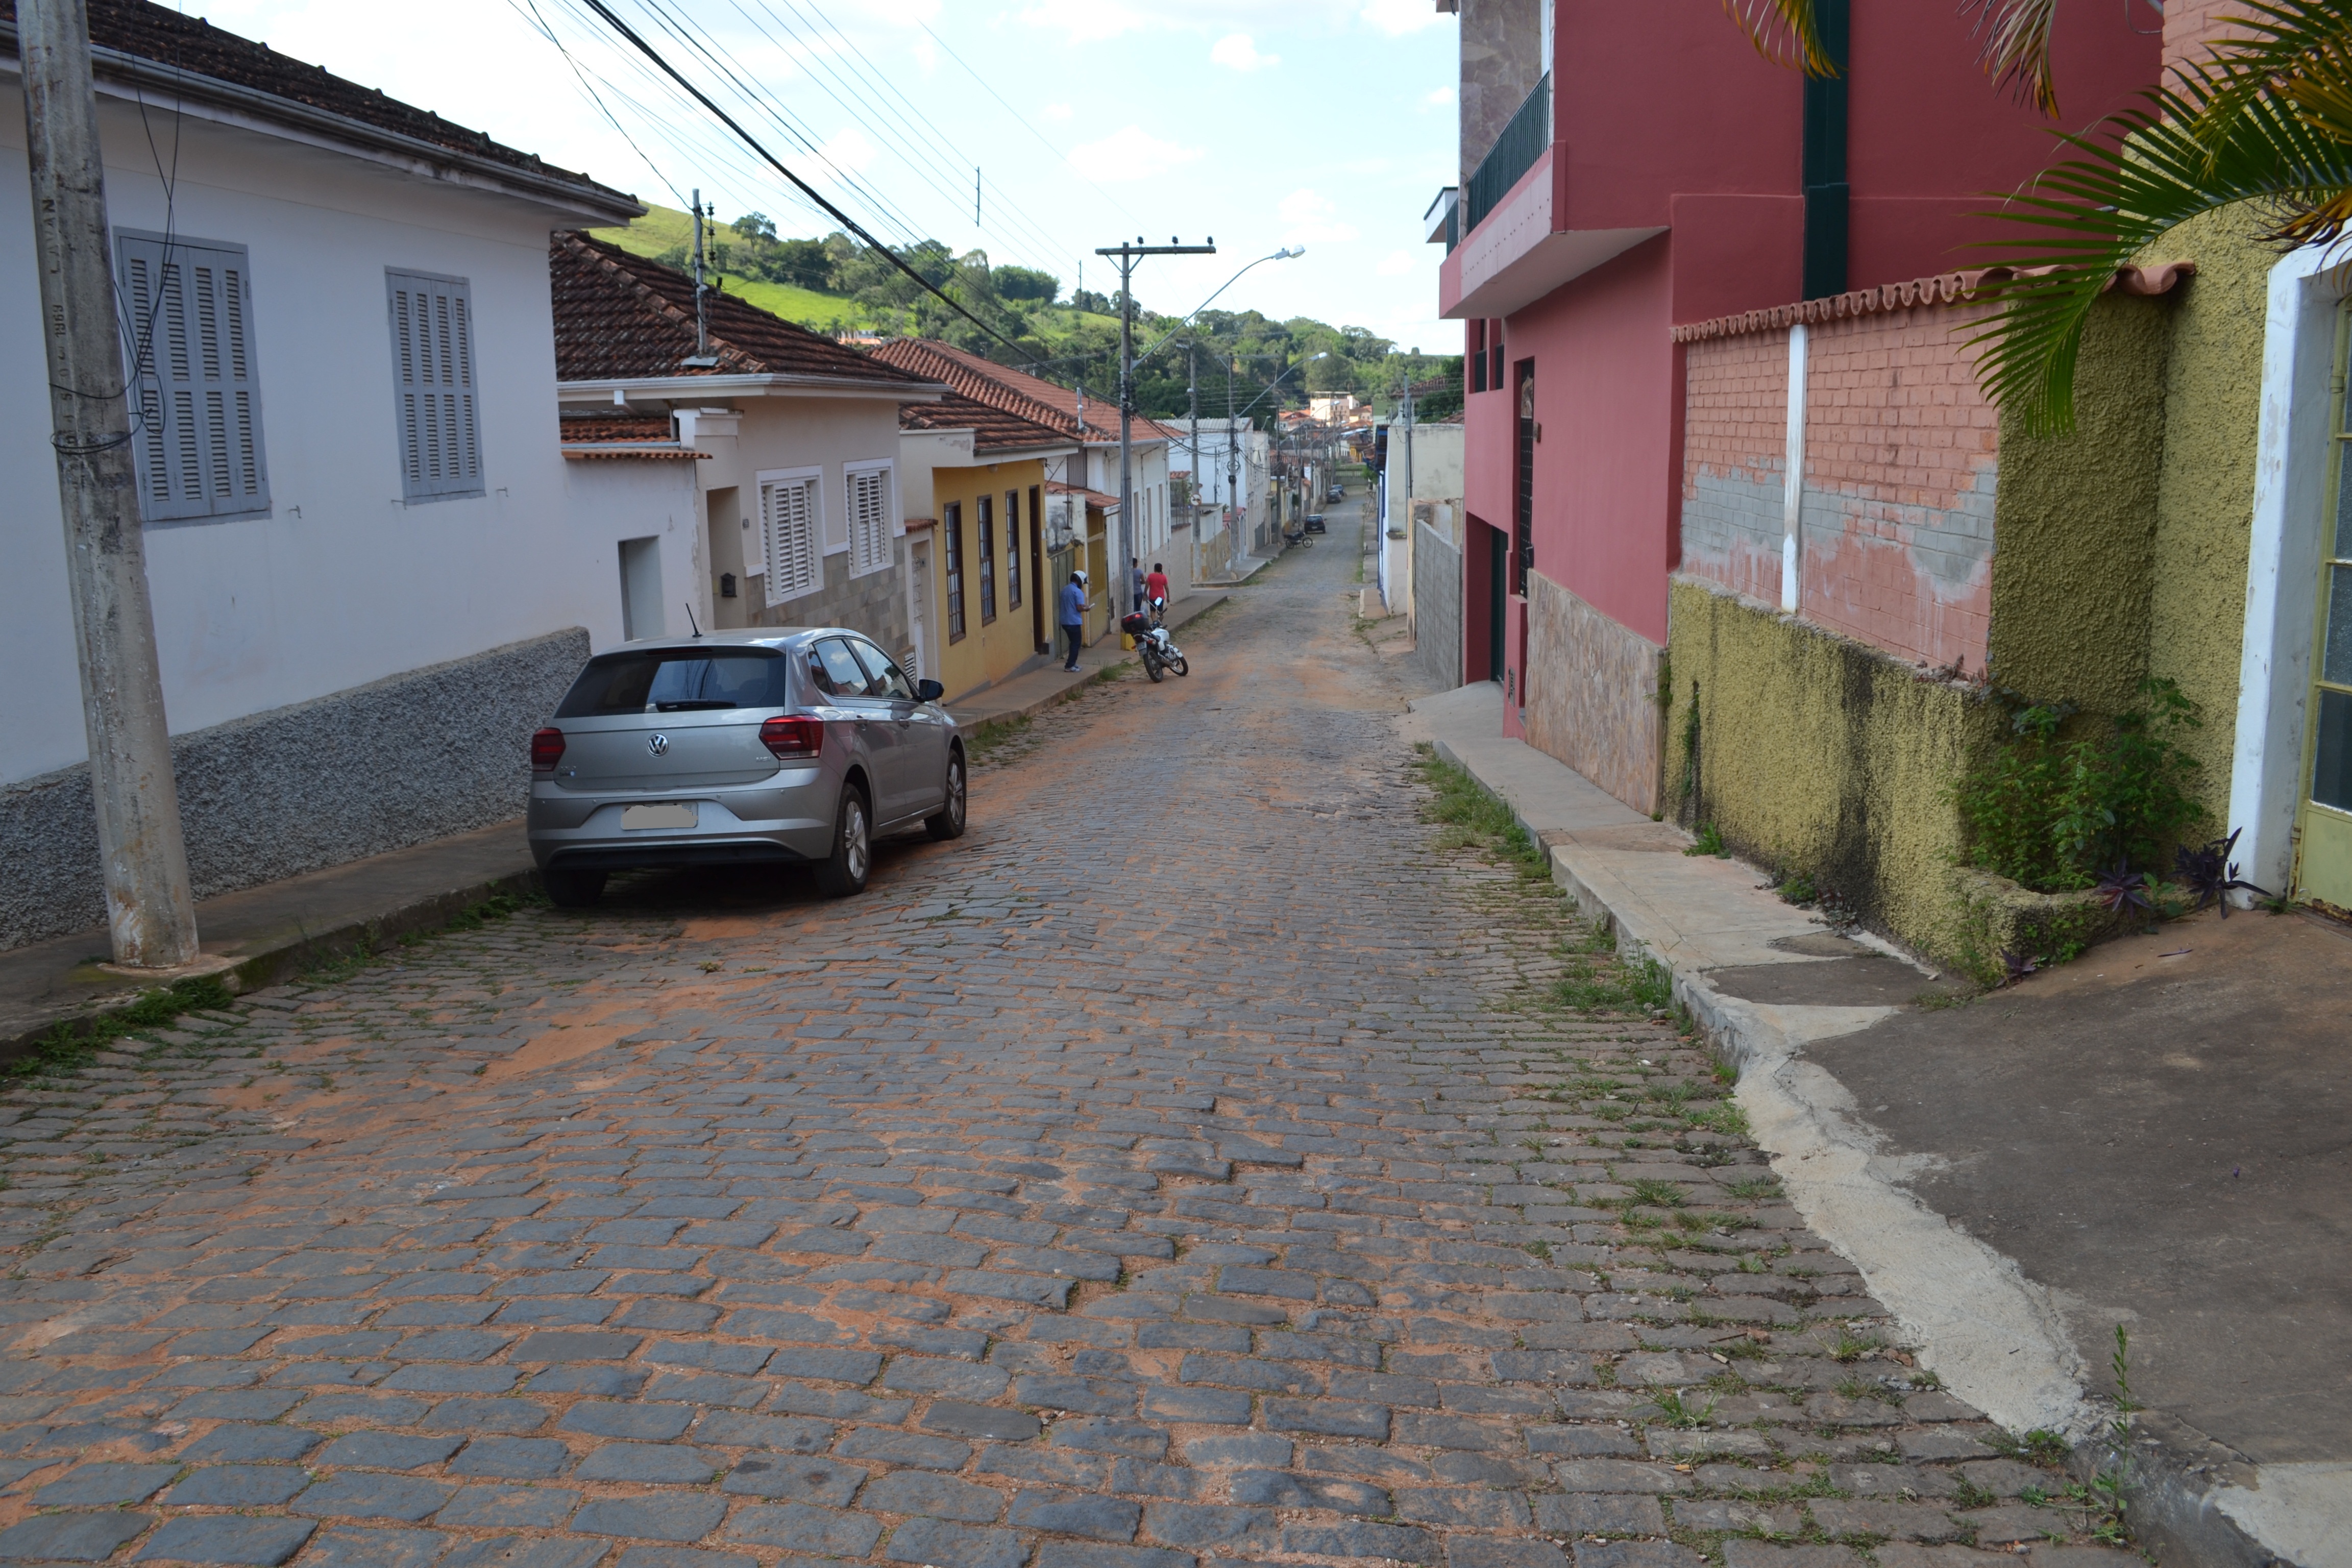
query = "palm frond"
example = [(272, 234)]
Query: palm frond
[(2137, 178), (1786, 32), (2016, 52), (2277, 42)]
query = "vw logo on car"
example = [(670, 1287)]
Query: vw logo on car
[(658, 744)]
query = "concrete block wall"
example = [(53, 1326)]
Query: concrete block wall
[(1437, 605)]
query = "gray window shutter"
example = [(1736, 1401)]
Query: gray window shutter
[(438, 423), (195, 398)]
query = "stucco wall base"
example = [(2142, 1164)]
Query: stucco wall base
[(1437, 607), (1819, 754), (2000, 919), (416, 756), (1592, 693)]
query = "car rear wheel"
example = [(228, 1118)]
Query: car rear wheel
[(949, 822), (843, 873), (572, 889)]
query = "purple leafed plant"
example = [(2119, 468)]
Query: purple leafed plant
[(2210, 874), (2122, 890), (2015, 966)]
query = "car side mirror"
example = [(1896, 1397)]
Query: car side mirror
[(928, 691)]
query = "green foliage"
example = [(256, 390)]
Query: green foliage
[(66, 1045), (1673, 1411), (1850, 1346), (1798, 888), (2039, 1446), (1657, 1193), (1472, 815), (2066, 795), (1710, 842)]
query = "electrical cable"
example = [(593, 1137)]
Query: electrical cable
[(539, 23), (806, 189), (990, 90)]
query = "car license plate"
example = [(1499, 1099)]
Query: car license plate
[(668, 814)]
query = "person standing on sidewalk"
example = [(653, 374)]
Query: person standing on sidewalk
[(1135, 568), (1073, 616), (1155, 592)]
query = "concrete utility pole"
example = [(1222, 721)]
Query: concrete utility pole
[(149, 912), (1193, 398), (1126, 257)]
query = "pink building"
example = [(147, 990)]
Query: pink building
[(1628, 171)]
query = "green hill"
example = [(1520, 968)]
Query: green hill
[(665, 229)]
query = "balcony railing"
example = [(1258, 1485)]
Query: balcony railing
[(1514, 152)]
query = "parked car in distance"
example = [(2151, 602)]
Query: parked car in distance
[(783, 746), (1315, 522), (1338, 492)]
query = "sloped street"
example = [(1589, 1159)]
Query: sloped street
[(1193, 1165)]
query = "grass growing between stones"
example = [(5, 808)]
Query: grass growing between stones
[(66, 1045)]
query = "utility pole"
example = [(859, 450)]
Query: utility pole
[(1128, 256), (151, 914), (702, 356), (1233, 451), (1192, 399)]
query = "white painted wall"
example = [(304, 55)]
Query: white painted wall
[(342, 583)]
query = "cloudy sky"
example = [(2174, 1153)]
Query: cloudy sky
[(1326, 123)]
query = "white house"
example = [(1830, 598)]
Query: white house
[(1421, 516), (745, 466), (367, 587)]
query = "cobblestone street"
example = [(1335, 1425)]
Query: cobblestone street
[(1191, 1166)]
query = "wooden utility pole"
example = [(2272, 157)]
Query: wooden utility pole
[(148, 910)]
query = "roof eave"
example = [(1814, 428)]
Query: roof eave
[(759, 384), (257, 110)]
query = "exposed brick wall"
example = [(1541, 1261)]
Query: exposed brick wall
[(1900, 461), (2191, 28), (1735, 467), (1900, 466)]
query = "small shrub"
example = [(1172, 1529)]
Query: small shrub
[(1710, 842), (1798, 888), (2067, 794)]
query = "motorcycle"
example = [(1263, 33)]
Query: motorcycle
[(1154, 647)]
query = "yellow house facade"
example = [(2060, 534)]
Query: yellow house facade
[(974, 486)]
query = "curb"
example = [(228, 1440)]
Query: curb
[(281, 961), (1972, 1310), (1031, 709)]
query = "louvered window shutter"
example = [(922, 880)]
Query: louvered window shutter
[(869, 521), (438, 414), (788, 519), (196, 401)]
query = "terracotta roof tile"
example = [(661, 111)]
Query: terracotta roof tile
[(1015, 391), (625, 318), (157, 33), (993, 430), (1945, 288)]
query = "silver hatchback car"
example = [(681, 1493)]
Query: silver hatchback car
[(771, 745)]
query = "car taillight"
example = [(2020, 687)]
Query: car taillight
[(793, 737), (546, 751)]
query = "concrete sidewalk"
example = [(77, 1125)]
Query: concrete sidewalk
[(277, 929), (1045, 681), (2091, 1135)]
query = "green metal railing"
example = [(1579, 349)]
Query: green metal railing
[(1514, 152)]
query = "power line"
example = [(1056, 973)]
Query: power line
[(806, 189), (539, 23), (990, 88)]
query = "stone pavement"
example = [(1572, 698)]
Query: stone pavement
[(1191, 1167)]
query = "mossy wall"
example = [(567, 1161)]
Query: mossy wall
[(1819, 754), (2212, 410), (2074, 522)]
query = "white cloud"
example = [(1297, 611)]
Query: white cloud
[(1083, 21), (1306, 218), (1439, 98), (1238, 51), (1398, 17), (848, 151), (1055, 111), (1395, 264), (1131, 153)]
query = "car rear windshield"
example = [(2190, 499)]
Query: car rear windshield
[(678, 680)]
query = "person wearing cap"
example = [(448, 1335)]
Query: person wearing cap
[(1073, 616)]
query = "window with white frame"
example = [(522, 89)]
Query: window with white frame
[(196, 399), (791, 531), (439, 422), (868, 486)]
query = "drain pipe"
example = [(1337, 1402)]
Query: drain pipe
[(1792, 494)]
